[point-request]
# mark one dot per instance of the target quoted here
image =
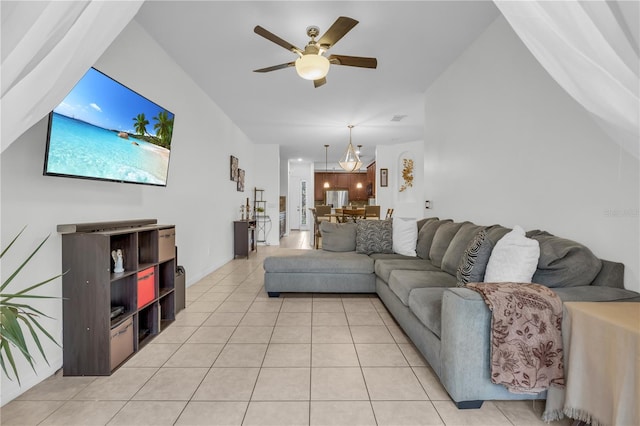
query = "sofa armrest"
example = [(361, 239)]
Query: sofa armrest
[(465, 350)]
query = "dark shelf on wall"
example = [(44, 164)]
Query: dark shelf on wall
[(107, 316)]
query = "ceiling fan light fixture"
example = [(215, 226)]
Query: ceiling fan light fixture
[(312, 67), (350, 160)]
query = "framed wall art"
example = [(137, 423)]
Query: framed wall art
[(384, 178), (233, 168), (240, 180)]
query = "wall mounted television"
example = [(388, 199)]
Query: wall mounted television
[(105, 131)]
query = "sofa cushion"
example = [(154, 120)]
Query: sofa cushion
[(338, 237), (513, 259), (383, 267), (374, 236), (422, 222), (319, 261), (441, 240), (402, 282), (458, 245), (405, 236), (426, 305), (386, 256), (564, 263), (425, 237), (476, 256)]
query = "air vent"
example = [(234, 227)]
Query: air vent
[(398, 117)]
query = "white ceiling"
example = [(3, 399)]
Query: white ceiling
[(414, 42)]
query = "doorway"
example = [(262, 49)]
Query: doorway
[(298, 207)]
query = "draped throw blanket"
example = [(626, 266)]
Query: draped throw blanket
[(526, 336)]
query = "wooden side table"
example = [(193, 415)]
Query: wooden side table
[(244, 238), (602, 361)]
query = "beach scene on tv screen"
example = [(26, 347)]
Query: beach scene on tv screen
[(104, 130)]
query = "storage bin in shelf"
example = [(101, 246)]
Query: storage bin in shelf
[(127, 243), (122, 294), (147, 284)]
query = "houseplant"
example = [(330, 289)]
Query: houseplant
[(18, 317)]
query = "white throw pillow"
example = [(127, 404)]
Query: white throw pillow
[(405, 236), (513, 259)]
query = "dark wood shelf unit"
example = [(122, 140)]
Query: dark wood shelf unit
[(244, 237), (94, 344)]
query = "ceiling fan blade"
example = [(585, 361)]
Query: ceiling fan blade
[(353, 61), (277, 40), (319, 82), (276, 67), (339, 28)]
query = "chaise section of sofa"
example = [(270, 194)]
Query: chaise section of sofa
[(319, 271)]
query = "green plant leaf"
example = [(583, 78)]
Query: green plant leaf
[(21, 293), (12, 332), (12, 241), (45, 332), (17, 271), (34, 336), (26, 308), (14, 316), (6, 349)]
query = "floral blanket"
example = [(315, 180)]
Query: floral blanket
[(526, 336)]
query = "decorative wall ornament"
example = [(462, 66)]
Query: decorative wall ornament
[(384, 178), (407, 174), (240, 180), (234, 168)]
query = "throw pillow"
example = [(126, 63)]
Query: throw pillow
[(441, 240), (338, 236), (473, 263), (420, 223), (513, 259), (405, 235), (374, 236), (425, 237)]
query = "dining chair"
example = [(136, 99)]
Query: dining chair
[(316, 229), (372, 212), (323, 210)]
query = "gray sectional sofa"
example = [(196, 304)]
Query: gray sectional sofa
[(448, 323)]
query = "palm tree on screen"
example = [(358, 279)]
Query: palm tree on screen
[(163, 127), (140, 124)]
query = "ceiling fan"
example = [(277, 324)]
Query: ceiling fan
[(311, 63)]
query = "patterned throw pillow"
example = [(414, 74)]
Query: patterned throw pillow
[(474, 260), (374, 236)]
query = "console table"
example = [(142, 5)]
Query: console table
[(602, 357), (244, 237)]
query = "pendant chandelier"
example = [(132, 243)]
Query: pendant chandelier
[(326, 180), (350, 160)]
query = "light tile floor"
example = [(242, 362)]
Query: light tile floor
[(235, 356)]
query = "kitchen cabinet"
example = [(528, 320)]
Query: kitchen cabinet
[(348, 181)]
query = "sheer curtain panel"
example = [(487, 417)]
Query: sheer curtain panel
[(47, 46)]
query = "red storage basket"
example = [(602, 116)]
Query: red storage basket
[(146, 286)]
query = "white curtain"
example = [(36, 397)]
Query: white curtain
[(591, 49), (47, 46)]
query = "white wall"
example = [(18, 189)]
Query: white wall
[(200, 199), (505, 144), (410, 202)]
